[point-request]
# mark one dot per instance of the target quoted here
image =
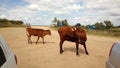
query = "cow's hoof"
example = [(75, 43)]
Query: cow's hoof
[(61, 51), (77, 54), (87, 53)]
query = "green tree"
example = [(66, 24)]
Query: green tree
[(87, 26), (55, 20), (78, 25), (100, 25), (19, 22), (108, 24), (64, 22), (6, 23), (58, 22)]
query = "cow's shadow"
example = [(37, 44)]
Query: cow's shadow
[(73, 49), (40, 42)]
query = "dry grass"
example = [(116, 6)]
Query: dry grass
[(114, 32)]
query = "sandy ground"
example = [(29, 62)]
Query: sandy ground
[(47, 55)]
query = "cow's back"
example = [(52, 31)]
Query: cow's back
[(66, 33), (72, 33), (33, 31), (64, 30)]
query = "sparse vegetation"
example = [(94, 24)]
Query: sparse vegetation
[(10, 23), (103, 29), (114, 32)]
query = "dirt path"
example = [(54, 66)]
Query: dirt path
[(47, 55)]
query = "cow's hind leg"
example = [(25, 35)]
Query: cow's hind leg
[(85, 49), (61, 43), (37, 40)]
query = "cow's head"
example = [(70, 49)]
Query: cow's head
[(48, 32)]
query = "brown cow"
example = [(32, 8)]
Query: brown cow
[(73, 34), (37, 32)]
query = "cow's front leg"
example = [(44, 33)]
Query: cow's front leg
[(77, 48), (43, 40), (29, 39), (60, 44)]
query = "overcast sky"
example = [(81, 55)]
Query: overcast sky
[(41, 12)]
